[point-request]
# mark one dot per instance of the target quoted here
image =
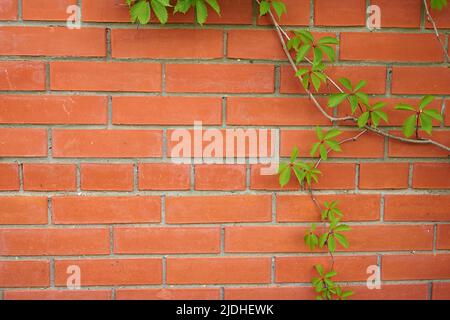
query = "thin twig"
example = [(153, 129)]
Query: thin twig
[(436, 32)]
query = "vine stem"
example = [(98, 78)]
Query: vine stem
[(282, 34), (436, 32)]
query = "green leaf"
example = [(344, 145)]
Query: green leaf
[(279, 8), (333, 133), (318, 56), (302, 52), (214, 5), (319, 269), (336, 99), (353, 102), (342, 240), (362, 97), (160, 11), (341, 228), (201, 11), (323, 239), (294, 154), (434, 114), (331, 274), (323, 152), (425, 101), (328, 40), (305, 35), (264, 8), (320, 133), (314, 149), (346, 83), (438, 4), (426, 123), (409, 126), (329, 51), (140, 12), (285, 176), (360, 85), (331, 244), (334, 145), (403, 106), (362, 120)]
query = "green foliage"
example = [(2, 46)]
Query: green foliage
[(278, 6), (325, 140), (422, 117), (314, 76), (303, 43), (373, 114), (438, 4), (305, 173), (326, 288), (355, 97)]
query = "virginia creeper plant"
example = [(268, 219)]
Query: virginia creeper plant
[(303, 47)]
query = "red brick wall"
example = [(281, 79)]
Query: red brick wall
[(85, 177)]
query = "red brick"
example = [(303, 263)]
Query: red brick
[(261, 111), (421, 80), (374, 75), (247, 44), (391, 292), (49, 177), (258, 181), (164, 176), (52, 41), (400, 13), (43, 242), (23, 210), (107, 143), (298, 12), (9, 173), (46, 9), (167, 110), (269, 293), (105, 76), (8, 9), (336, 176), (232, 12), (57, 295), (220, 177), (301, 269), (167, 43), (18, 142), (18, 109), (441, 291), (101, 210), (368, 145), (339, 13), (218, 270), (415, 267), (230, 78), (431, 176), (293, 208), (417, 207), (408, 150), (22, 75), (168, 294), (166, 240), (398, 47), (383, 175), (106, 176), (107, 272), (29, 273), (361, 238), (443, 236), (214, 209)]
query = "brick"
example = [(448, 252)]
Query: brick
[(25, 273), (57, 295), (261, 111), (43, 242), (167, 43), (397, 47), (166, 240), (46, 9), (107, 177), (49, 177), (164, 176), (23, 210), (218, 270), (166, 110), (300, 208), (301, 269), (361, 238), (107, 143), (391, 292), (417, 207), (232, 12), (102, 210), (258, 181), (400, 13), (336, 176), (220, 177), (374, 75), (404, 150), (443, 236), (441, 291), (105, 76), (23, 142), (383, 175), (420, 80), (369, 145), (214, 209), (247, 44), (168, 294), (22, 75), (52, 41), (339, 13), (292, 17), (431, 176), (230, 78), (415, 267), (270, 293), (108, 272), (8, 10), (27, 109), (9, 173)]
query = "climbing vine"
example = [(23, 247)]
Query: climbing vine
[(302, 47)]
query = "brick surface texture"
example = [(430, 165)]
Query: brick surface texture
[(86, 177)]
